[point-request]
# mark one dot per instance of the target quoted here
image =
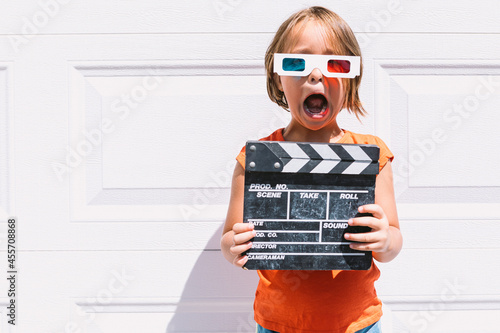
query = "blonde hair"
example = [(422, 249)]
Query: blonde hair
[(338, 34)]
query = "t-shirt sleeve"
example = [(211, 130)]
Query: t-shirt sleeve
[(241, 157), (385, 153)]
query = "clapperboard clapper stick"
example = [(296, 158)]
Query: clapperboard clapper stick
[(300, 196)]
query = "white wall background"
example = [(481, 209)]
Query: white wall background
[(120, 121)]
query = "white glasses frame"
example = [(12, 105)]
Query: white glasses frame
[(319, 61)]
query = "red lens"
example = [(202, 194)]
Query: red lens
[(339, 66)]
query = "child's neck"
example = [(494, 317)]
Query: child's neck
[(298, 133)]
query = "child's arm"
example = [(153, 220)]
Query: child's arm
[(385, 239), (236, 235)]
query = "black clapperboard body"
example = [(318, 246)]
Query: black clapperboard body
[(299, 196)]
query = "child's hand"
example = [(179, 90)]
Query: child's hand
[(243, 233), (379, 238)]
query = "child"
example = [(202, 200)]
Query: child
[(318, 301)]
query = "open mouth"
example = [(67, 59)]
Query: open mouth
[(316, 105)]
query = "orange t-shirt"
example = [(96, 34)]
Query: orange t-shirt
[(319, 301)]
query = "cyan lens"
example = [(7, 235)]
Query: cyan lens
[(294, 64)]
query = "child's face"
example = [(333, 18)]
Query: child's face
[(314, 100)]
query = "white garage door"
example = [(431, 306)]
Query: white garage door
[(120, 121)]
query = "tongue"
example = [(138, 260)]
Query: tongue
[(315, 103)]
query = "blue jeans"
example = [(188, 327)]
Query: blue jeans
[(374, 328)]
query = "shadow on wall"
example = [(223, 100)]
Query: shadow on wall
[(217, 297)]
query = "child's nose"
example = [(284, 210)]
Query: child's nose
[(316, 75)]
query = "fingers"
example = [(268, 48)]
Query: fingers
[(373, 241), (364, 246), (373, 209), (240, 261), (242, 227), (376, 241), (377, 237), (239, 249), (243, 233), (365, 237), (365, 221), (377, 221)]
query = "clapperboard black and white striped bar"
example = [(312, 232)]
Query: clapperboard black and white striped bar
[(300, 196)]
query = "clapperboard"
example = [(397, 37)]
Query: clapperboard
[(299, 196)]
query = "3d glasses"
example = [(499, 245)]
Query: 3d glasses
[(289, 64)]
